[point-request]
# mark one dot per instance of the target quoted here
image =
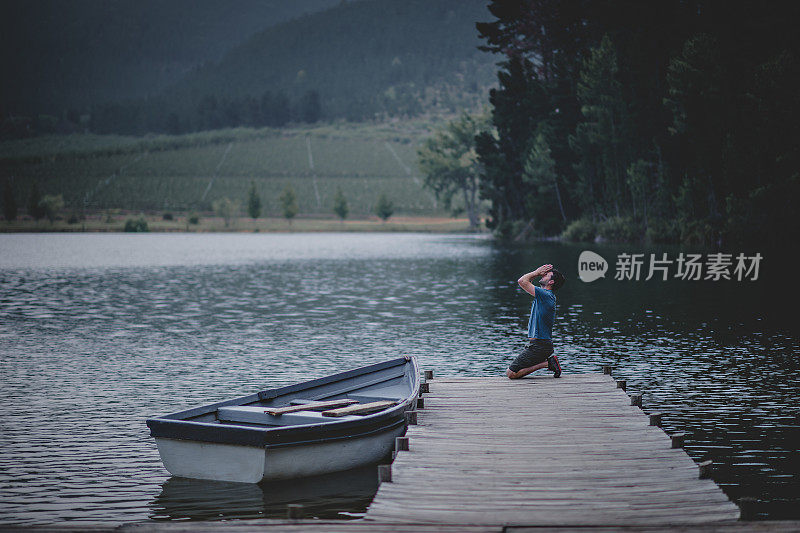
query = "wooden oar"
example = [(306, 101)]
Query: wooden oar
[(361, 409), (278, 411)]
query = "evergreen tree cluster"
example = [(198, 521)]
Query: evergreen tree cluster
[(671, 121), (48, 206), (211, 113)]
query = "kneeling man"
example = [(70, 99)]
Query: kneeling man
[(539, 352)]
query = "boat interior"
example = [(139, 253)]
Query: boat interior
[(326, 400)]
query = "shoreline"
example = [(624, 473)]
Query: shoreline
[(213, 224)]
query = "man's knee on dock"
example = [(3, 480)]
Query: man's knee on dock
[(522, 372)]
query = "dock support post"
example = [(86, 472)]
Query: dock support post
[(704, 469), (411, 418), (294, 511), (636, 399), (655, 419), (424, 387), (747, 508), (607, 369), (677, 439), (622, 384), (428, 375), (384, 473), (401, 444), (420, 403)]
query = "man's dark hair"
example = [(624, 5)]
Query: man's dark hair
[(558, 279)]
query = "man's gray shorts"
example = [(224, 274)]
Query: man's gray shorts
[(537, 351)]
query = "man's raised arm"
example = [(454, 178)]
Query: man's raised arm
[(526, 280)]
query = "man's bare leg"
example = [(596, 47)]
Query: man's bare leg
[(522, 372)]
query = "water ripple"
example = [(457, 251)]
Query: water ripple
[(116, 329)]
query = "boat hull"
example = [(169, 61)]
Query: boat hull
[(285, 433), (248, 464)]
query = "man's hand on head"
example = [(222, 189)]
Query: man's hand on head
[(544, 269)]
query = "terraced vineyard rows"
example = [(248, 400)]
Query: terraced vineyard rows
[(189, 172)]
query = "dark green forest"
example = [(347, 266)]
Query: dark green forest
[(671, 121)]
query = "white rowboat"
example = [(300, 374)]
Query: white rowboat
[(325, 425)]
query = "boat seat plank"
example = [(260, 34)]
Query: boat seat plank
[(360, 409), (367, 399), (256, 415), (310, 406)]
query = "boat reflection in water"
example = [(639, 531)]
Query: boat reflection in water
[(344, 495)]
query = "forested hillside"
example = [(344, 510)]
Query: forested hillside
[(67, 56), (390, 57), (176, 67)]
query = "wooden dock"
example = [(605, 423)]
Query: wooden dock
[(543, 452), (491, 455)]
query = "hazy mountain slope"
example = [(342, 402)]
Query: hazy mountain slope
[(361, 58), (61, 54)]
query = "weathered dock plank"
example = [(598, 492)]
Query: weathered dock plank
[(543, 452), (301, 526), (363, 526)]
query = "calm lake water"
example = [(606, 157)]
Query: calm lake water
[(98, 332)]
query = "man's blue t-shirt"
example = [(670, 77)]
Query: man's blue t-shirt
[(543, 313)]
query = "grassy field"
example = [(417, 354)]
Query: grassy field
[(99, 174)]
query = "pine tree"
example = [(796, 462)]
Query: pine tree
[(520, 105), (384, 208), (9, 202), (253, 202), (35, 209), (340, 206), (540, 174), (699, 104), (288, 201), (600, 139), (310, 107)]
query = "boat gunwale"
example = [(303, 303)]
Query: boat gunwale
[(175, 425), (372, 429)]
